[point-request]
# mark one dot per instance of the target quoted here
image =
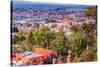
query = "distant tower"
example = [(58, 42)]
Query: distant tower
[(66, 18), (66, 22)]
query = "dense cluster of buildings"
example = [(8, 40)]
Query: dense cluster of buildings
[(42, 14), (60, 19)]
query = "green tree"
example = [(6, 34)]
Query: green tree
[(79, 43), (30, 40), (42, 37), (84, 41), (58, 44), (19, 38)]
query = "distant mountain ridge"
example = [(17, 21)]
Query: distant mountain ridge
[(29, 4)]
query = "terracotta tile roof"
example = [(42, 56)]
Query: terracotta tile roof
[(42, 51)]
